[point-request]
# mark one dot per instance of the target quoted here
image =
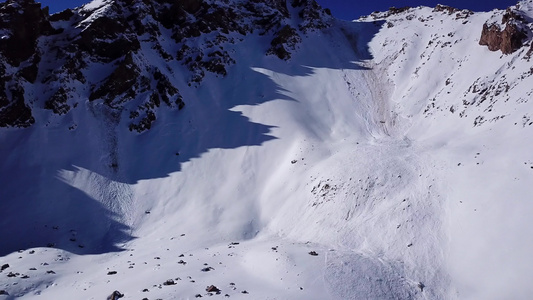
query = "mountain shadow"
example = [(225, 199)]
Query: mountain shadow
[(65, 180)]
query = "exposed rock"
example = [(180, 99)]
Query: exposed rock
[(512, 38), (286, 39), (212, 289), (60, 58), (169, 282), (4, 266), (508, 40), (167, 90), (279, 5), (529, 52), (115, 295), (62, 16), (511, 15), (11, 274), (108, 38), (444, 8), (4, 292), (15, 113), (421, 286), (145, 123), (312, 15), (30, 72), (491, 36), (394, 11), (171, 15), (23, 21), (120, 81), (215, 62), (73, 67), (58, 102)]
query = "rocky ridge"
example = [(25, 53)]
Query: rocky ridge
[(57, 55), (514, 34), (101, 52)]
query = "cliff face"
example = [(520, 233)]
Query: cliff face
[(508, 39), (62, 51), (23, 22)]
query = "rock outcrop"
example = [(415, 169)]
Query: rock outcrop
[(507, 40), (22, 23)]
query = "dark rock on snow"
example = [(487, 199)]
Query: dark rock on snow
[(212, 289), (4, 266), (115, 295)]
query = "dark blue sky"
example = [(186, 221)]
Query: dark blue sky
[(347, 9)]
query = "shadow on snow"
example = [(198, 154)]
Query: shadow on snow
[(44, 200)]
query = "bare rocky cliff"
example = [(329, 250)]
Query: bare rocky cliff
[(508, 39)]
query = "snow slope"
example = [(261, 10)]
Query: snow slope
[(350, 149)]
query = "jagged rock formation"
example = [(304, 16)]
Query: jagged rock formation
[(507, 40), (101, 52), (286, 39), (23, 22)]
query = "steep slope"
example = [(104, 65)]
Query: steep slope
[(103, 74), (269, 150), (470, 108)]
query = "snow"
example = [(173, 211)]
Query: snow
[(332, 151)]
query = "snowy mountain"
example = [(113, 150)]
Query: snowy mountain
[(264, 150)]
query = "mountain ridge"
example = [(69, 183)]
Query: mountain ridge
[(383, 158)]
